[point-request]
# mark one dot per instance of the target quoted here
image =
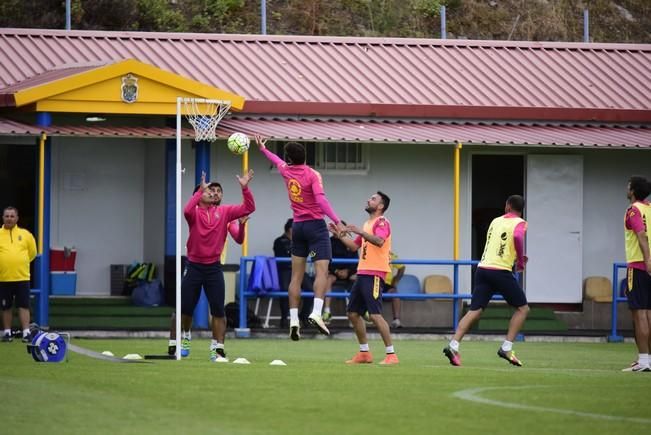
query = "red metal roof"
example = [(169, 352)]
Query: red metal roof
[(370, 76), (415, 131)]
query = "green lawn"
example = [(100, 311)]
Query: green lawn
[(563, 389)]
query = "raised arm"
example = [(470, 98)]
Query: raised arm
[(248, 204), (262, 146)]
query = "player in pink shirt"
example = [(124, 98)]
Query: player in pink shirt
[(208, 220), (309, 231)]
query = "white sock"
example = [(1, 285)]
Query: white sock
[(454, 345), (172, 343), (507, 346), (7, 331), (293, 315), (364, 347), (643, 359), (214, 344), (318, 306), (389, 349), (186, 334), (326, 310), (25, 332)]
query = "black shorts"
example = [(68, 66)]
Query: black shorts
[(489, 281), (14, 290), (638, 289), (208, 276), (311, 238), (366, 295)]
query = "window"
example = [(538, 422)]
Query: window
[(333, 156)]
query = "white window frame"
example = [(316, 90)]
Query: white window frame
[(325, 167)]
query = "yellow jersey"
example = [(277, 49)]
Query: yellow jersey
[(17, 250)]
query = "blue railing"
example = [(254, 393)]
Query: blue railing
[(616, 300), (245, 293)]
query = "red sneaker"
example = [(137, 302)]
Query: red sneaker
[(361, 358), (453, 356), (390, 359)]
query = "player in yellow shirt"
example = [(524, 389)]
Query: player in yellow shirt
[(504, 249), (17, 250)]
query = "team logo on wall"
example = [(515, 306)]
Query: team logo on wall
[(129, 89)]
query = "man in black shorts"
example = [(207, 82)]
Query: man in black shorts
[(17, 250), (504, 248)]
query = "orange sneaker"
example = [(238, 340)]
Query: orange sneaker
[(390, 359), (361, 358)]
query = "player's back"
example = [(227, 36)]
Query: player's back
[(303, 184)]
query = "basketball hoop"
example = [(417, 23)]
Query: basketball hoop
[(204, 116)]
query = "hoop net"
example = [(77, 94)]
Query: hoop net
[(204, 116)]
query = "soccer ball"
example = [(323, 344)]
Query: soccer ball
[(238, 143)]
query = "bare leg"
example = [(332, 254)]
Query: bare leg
[(641, 330), (186, 322), (359, 326), (517, 320), (329, 282), (6, 318), (382, 327), (219, 329), (321, 278), (23, 315), (298, 270), (173, 326), (466, 322)]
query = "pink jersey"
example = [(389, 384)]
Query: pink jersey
[(208, 226), (305, 189), (381, 228)]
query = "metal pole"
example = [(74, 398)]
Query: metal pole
[(263, 17), (68, 15), (178, 228), (457, 174), (444, 33), (586, 25)]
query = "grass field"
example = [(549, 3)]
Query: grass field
[(564, 388)]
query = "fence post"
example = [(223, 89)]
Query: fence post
[(455, 301), (243, 331), (613, 337)]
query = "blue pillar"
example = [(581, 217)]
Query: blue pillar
[(202, 164), (42, 267)]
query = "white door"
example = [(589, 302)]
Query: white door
[(554, 211)]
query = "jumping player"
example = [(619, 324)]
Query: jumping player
[(504, 247), (374, 239)]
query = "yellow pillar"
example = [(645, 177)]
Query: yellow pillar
[(245, 169), (41, 190), (457, 174)]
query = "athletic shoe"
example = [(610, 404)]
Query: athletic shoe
[(640, 368), (327, 317), (630, 367), (316, 320), (7, 338), (26, 339), (294, 331), (509, 356), (453, 356), (361, 358), (218, 355), (185, 347), (395, 323), (390, 359)]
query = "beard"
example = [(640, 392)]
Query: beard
[(369, 210)]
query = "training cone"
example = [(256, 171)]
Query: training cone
[(241, 361), (107, 353), (132, 356), (277, 362)]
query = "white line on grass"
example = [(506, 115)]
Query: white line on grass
[(472, 395)]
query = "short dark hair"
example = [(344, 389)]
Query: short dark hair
[(295, 153), (213, 184), (385, 200), (288, 224), (516, 202), (640, 187), (10, 207)]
